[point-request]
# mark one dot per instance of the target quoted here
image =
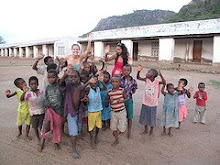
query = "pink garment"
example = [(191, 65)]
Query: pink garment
[(55, 122), (151, 93), (118, 66), (182, 112)]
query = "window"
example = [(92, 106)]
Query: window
[(155, 48), (61, 50)]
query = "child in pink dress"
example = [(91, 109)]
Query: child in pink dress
[(150, 99)]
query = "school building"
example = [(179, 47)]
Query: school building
[(191, 42)]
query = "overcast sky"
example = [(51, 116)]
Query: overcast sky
[(23, 20)]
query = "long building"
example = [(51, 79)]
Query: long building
[(194, 41)]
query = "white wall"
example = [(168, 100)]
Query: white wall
[(144, 48)]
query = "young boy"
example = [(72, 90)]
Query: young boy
[(94, 111), (54, 105), (23, 112), (43, 70), (116, 97), (35, 99), (201, 98), (130, 85)]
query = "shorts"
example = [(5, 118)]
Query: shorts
[(182, 112), (94, 120), (37, 121), (23, 117), (72, 125), (129, 108), (119, 121)]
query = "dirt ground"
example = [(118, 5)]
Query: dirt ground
[(192, 144)]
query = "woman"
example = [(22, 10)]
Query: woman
[(121, 57)]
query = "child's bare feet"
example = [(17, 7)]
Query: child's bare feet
[(144, 133), (28, 138), (163, 133), (116, 142), (170, 134), (96, 140), (202, 123), (57, 146), (93, 145), (104, 128), (151, 132), (76, 155), (19, 134), (129, 135), (39, 149)]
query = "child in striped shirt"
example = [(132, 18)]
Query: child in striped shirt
[(116, 97)]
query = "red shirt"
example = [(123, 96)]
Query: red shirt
[(201, 98)]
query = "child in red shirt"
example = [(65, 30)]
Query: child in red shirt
[(201, 97)]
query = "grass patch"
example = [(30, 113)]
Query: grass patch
[(214, 83)]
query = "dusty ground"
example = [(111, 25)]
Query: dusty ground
[(192, 144)]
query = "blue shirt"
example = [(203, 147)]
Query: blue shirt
[(95, 101)]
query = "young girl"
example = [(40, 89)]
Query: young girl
[(105, 85), (181, 99), (35, 99), (150, 99), (170, 109)]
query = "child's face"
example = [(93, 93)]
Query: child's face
[(75, 50), (94, 84), (87, 68), (83, 78), (115, 83), (51, 78), (181, 84), (171, 89), (50, 61), (106, 78), (94, 69), (33, 85), (21, 84), (119, 50), (201, 87), (126, 70), (150, 75)]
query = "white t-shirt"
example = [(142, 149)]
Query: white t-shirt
[(43, 71)]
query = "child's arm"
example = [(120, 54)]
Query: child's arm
[(125, 97), (41, 56), (58, 70), (139, 69), (205, 97), (196, 95), (87, 83), (162, 90), (25, 89), (163, 81), (134, 87), (88, 50), (107, 50), (46, 101), (104, 86), (8, 93), (189, 91), (107, 101)]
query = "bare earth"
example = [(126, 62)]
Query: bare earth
[(192, 144)]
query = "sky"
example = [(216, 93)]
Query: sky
[(24, 20)]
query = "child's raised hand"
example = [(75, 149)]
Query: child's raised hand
[(139, 68), (90, 37), (190, 90), (40, 56), (93, 80), (159, 73), (107, 49), (69, 70), (7, 92)]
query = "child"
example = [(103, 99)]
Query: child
[(116, 97), (72, 93), (130, 85), (35, 99), (23, 112), (54, 105), (201, 98), (94, 111), (170, 109), (182, 103), (105, 85), (150, 99)]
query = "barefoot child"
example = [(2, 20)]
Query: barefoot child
[(35, 99), (201, 98), (170, 109), (105, 85), (181, 99), (130, 85), (116, 97), (150, 99), (23, 112), (54, 111)]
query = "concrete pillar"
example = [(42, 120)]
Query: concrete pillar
[(129, 45), (98, 49), (27, 52), (216, 49), (10, 52), (21, 52), (166, 49), (45, 50), (35, 51), (15, 52), (1, 53), (6, 52)]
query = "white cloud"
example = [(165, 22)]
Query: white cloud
[(29, 20)]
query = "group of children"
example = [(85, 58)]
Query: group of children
[(86, 95)]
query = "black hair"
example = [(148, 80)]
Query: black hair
[(77, 73), (184, 80), (33, 78), (46, 59), (201, 83), (85, 63), (92, 68), (169, 85), (52, 71), (128, 65), (107, 73), (17, 81), (154, 71), (124, 54), (52, 66), (75, 45)]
